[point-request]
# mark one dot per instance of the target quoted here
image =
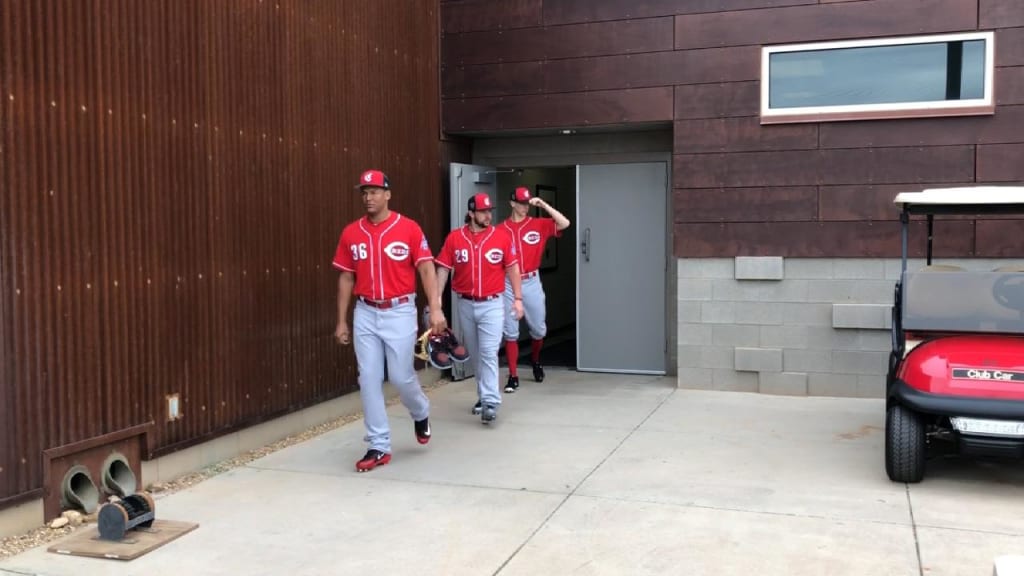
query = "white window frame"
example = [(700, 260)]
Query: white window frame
[(976, 106)]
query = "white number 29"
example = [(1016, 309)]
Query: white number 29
[(358, 251), (461, 256)]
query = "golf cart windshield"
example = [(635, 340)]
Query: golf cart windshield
[(963, 301)]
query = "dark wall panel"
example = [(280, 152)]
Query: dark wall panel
[(566, 11), (865, 202), (862, 19), (795, 203), (174, 175), (1001, 163), (718, 100), (1000, 14), (741, 135), (552, 43), (1000, 239), (1010, 85), (801, 168), (493, 80), (470, 15), (817, 239), (1010, 47), (603, 73), (571, 109), (1003, 127)]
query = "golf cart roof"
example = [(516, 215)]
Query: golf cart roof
[(965, 200)]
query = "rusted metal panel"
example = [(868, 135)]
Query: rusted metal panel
[(175, 175), (825, 22)]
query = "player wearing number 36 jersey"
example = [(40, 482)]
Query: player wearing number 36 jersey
[(379, 256), (480, 256)]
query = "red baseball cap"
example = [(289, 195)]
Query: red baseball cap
[(521, 194), (480, 201), (373, 178)]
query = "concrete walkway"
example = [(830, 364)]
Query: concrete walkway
[(592, 474)]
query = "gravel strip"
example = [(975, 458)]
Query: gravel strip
[(13, 545)]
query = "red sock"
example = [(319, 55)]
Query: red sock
[(512, 353), (535, 347)]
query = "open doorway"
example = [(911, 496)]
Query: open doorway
[(557, 186)]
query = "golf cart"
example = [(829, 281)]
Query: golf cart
[(956, 372)]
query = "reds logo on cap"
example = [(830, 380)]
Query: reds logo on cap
[(521, 194), (479, 202), (374, 178)]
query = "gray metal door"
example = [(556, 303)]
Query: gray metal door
[(620, 279), (466, 180)]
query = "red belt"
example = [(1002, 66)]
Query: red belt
[(479, 298), (384, 304), (529, 275)]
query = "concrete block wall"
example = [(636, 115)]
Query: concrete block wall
[(817, 327)]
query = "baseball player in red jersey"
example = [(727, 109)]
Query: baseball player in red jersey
[(379, 256), (529, 235), (480, 258)]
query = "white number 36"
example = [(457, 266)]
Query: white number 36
[(358, 251)]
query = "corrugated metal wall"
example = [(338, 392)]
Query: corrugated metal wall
[(175, 174)]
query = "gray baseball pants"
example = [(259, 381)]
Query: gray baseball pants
[(481, 335), (534, 309), (386, 334)]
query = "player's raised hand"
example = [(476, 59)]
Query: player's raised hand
[(536, 201), (341, 334)]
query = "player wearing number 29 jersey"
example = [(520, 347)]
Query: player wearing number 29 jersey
[(480, 257)]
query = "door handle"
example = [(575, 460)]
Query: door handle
[(585, 246)]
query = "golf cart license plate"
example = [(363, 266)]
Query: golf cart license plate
[(1005, 428), (986, 374)]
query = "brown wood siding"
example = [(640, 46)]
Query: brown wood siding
[(174, 175), (742, 188)]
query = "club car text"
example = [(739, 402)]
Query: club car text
[(983, 374)]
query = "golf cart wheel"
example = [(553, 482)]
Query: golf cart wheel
[(904, 445)]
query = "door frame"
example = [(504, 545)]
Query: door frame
[(600, 148)]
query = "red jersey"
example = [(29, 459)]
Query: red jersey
[(530, 235), (478, 260), (382, 256)]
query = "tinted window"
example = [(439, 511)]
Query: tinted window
[(878, 74)]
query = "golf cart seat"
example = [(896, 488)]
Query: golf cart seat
[(1010, 268)]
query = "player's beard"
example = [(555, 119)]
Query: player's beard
[(481, 219)]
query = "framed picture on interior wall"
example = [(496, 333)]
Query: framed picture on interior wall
[(549, 194)]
